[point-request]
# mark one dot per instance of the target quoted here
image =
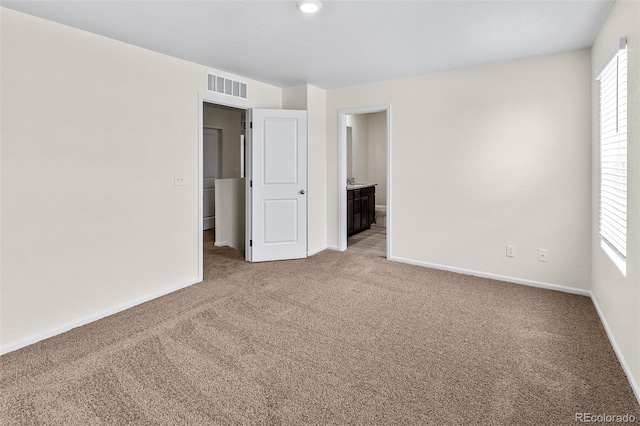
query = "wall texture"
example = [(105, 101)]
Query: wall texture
[(230, 121), (377, 123), (359, 124), (93, 131), (230, 213), (617, 294), (484, 157), (313, 99), (317, 168)]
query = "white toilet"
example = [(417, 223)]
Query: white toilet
[(381, 215)]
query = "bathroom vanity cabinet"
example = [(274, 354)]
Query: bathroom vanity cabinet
[(361, 208)]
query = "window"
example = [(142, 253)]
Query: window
[(613, 151)]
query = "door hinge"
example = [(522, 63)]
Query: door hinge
[(250, 243), (251, 124), (250, 184)]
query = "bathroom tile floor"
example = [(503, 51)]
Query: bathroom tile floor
[(372, 241)]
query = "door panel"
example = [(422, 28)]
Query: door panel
[(280, 221), (280, 152), (278, 185)]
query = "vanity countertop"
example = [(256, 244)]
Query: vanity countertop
[(360, 185)]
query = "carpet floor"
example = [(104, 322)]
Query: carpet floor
[(339, 338)]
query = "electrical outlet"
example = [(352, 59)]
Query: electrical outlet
[(178, 179), (511, 251), (543, 256)]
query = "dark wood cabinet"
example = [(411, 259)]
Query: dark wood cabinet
[(361, 209)]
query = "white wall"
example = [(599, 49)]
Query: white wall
[(617, 295), (377, 130), (359, 124), (317, 167), (483, 157), (294, 97), (230, 121), (93, 131), (230, 213), (313, 100)]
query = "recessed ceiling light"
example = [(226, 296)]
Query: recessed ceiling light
[(309, 6)]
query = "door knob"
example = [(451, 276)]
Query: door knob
[(302, 191)]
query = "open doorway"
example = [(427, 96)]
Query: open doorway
[(364, 180), (223, 179), (259, 205), (367, 183)]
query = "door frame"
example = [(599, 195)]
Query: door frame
[(210, 98), (342, 171)]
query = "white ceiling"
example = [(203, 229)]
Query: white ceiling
[(347, 43)]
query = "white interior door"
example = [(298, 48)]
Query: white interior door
[(278, 185)]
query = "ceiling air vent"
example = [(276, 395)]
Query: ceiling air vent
[(226, 86)]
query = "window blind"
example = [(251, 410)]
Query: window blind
[(613, 152)]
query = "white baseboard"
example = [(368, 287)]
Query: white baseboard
[(316, 250), (59, 330), (514, 280), (623, 362), (226, 244), (322, 248)]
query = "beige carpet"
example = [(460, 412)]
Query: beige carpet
[(339, 338)]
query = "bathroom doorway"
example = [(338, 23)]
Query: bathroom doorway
[(364, 181)]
